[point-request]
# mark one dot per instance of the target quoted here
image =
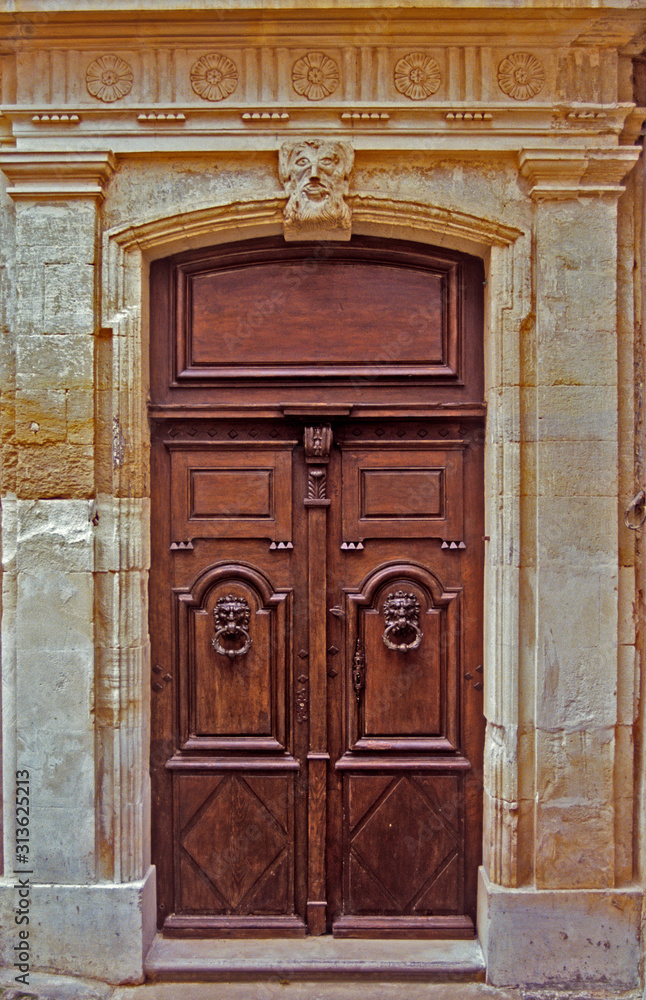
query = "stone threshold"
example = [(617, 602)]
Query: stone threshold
[(313, 958)]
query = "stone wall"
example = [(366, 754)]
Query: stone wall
[(532, 182)]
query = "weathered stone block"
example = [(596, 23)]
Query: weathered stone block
[(56, 232), (575, 846), (569, 468), (578, 531), (576, 413), (56, 610), (122, 535), (587, 938), (44, 362), (79, 416), (120, 612), (58, 470), (41, 416), (54, 534), (101, 931)]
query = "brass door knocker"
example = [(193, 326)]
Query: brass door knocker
[(232, 617), (401, 611)]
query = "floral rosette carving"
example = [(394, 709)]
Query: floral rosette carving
[(214, 77), (109, 78), (417, 76), (315, 76), (521, 76)]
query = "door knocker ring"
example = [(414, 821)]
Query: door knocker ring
[(231, 615), (401, 611)]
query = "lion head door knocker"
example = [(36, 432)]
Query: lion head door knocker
[(401, 611), (232, 617)]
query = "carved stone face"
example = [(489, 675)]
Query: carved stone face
[(401, 610), (231, 614), (315, 175)]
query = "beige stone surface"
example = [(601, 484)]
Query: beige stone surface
[(528, 179)]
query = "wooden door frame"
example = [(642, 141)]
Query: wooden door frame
[(127, 251), (446, 293)]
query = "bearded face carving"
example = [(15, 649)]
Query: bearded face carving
[(315, 175)]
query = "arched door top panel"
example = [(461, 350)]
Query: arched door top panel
[(388, 313)]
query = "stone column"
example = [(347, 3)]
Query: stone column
[(51, 621), (572, 770)]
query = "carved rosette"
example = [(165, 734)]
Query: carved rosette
[(214, 77), (417, 76), (315, 76), (109, 78), (521, 76)]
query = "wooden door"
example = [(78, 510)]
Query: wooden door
[(316, 628)]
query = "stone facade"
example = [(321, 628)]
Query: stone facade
[(131, 131)]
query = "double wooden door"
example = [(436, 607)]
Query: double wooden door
[(316, 632), (316, 589)]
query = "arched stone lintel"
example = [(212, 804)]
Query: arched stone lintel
[(167, 234)]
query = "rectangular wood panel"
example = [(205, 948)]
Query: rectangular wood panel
[(232, 492), (400, 315), (409, 489), (402, 492), (403, 852), (403, 691), (234, 843), (233, 661)]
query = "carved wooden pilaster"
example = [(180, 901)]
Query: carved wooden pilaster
[(318, 440)]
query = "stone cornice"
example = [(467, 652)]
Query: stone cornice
[(112, 22), (449, 127), (555, 173), (38, 175)]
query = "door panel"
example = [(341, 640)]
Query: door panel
[(232, 492), (402, 488), (316, 595), (406, 693), (407, 818), (233, 697), (234, 834)]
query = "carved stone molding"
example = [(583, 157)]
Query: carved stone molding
[(315, 174), (57, 175), (567, 173)]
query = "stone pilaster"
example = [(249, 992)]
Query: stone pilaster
[(50, 581), (569, 571)]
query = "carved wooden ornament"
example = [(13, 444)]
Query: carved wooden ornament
[(315, 174)]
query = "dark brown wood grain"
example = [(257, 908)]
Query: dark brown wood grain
[(288, 796)]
